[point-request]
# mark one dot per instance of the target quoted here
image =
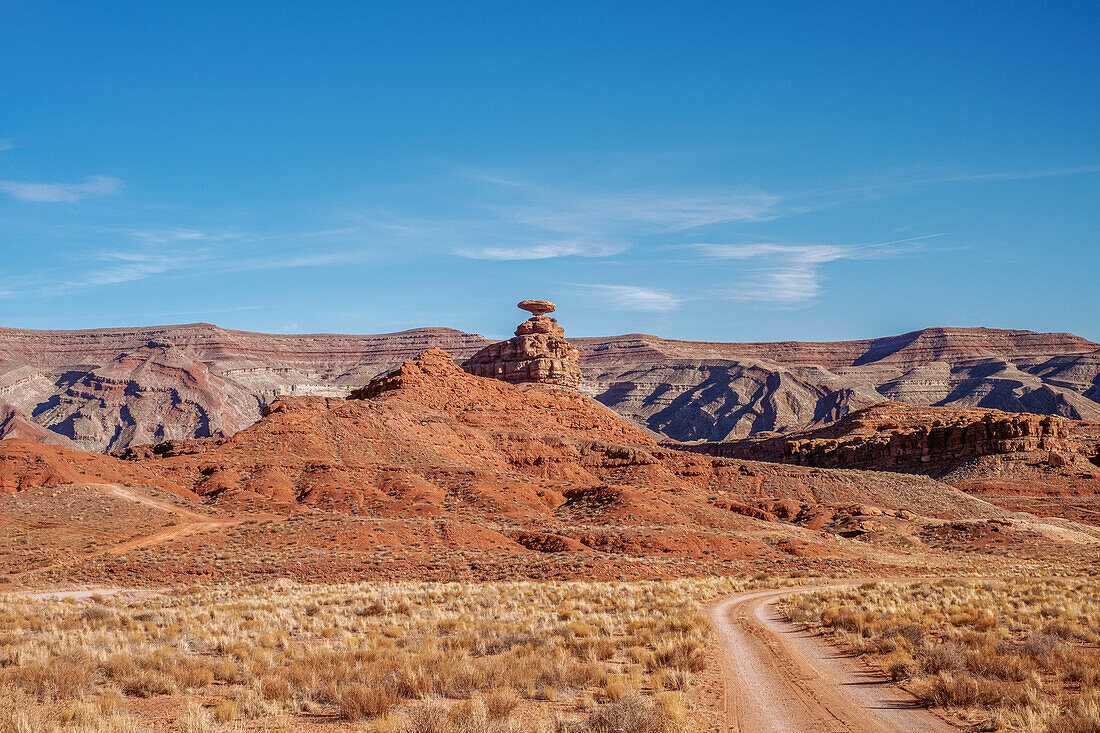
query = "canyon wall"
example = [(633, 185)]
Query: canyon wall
[(897, 437), (107, 389)]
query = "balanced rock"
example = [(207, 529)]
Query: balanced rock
[(537, 354), (537, 307)]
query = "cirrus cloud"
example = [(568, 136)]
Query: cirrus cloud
[(790, 274), (634, 297), (61, 192)]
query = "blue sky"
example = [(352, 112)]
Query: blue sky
[(714, 171)]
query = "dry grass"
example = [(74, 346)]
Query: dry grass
[(1016, 655), (397, 657)]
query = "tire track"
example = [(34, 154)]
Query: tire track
[(779, 679)]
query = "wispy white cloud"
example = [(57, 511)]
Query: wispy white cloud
[(790, 274), (65, 192), (139, 254), (123, 266), (785, 285), (6, 144), (633, 297), (884, 184), (505, 218), (543, 251), (1020, 175), (586, 212), (172, 236), (810, 253), (291, 260)]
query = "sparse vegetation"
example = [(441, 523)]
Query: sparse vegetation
[(1014, 654), (565, 657)]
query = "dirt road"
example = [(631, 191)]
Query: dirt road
[(190, 522), (779, 679), (187, 523)]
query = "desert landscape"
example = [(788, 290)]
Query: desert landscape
[(549, 367), (476, 544)]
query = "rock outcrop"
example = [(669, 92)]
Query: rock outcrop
[(1042, 464), (537, 354), (897, 437)]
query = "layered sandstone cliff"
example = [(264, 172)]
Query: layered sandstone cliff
[(109, 389), (897, 437), (694, 391)]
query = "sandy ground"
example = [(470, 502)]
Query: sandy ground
[(779, 679)]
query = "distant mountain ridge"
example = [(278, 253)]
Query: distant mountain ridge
[(108, 389), (694, 391)]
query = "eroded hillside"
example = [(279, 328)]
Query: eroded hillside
[(433, 472), (106, 390)]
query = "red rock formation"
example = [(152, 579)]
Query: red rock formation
[(538, 354), (112, 388), (893, 436), (437, 466), (1043, 464)]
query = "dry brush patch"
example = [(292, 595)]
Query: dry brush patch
[(564, 657), (1016, 654)]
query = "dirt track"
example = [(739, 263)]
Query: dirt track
[(188, 523), (779, 679)]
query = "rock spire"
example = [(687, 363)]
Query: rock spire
[(538, 353)]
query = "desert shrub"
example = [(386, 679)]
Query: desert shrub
[(363, 701), (632, 713), (673, 679), (914, 634), (1082, 717), (429, 717), (500, 702), (196, 720), (943, 658), (98, 613), (945, 689), (226, 710), (276, 689), (250, 704), (679, 654), (900, 665), (58, 679), (1043, 646), (989, 661)]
